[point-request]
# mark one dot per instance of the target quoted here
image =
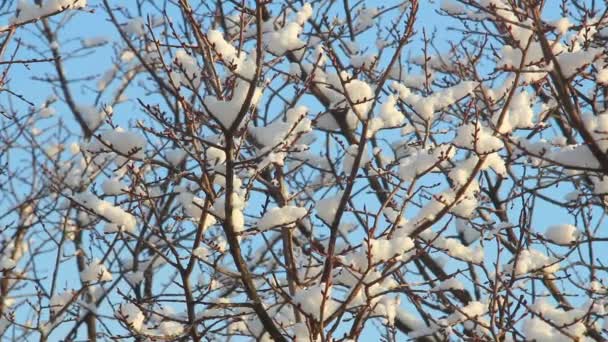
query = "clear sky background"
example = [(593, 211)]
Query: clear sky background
[(87, 25)]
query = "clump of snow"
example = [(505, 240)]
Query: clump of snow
[(119, 219), (327, 208), (193, 206), (286, 38), (175, 156), (361, 95), (27, 10), (469, 234), (238, 204), (301, 332), (462, 171), (538, 329), (92, 117), (280, 132), (452, 7), (225, 50), (375, 251), (561, 25), (424, 160), (131, 314), (107, 78), (387, 307), (113, 187), (573, 62), (350, 156), (373, 126), (456, 249), (118, 140), (562, 234), (202, 252), (170, 329), (294, 70), (47, 112), (365, 18), (345, 93), (94, 41), (134, 277), (6, 263), (389, 112), (573, 155), (226, 111), (478, 138), (215, 155), (95, 271), (304, 13), (276, 217), (383, 249), (470, 311), (190, 74), (519, 114), (600, 186), (425, 107), (602, 76), (449, 284), (530, 261), (135, 27), (363, 60), (309, 300), (60, 300)]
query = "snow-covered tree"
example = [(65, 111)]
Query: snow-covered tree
[(304, 171)]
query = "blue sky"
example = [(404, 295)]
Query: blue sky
[(88, 25)]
